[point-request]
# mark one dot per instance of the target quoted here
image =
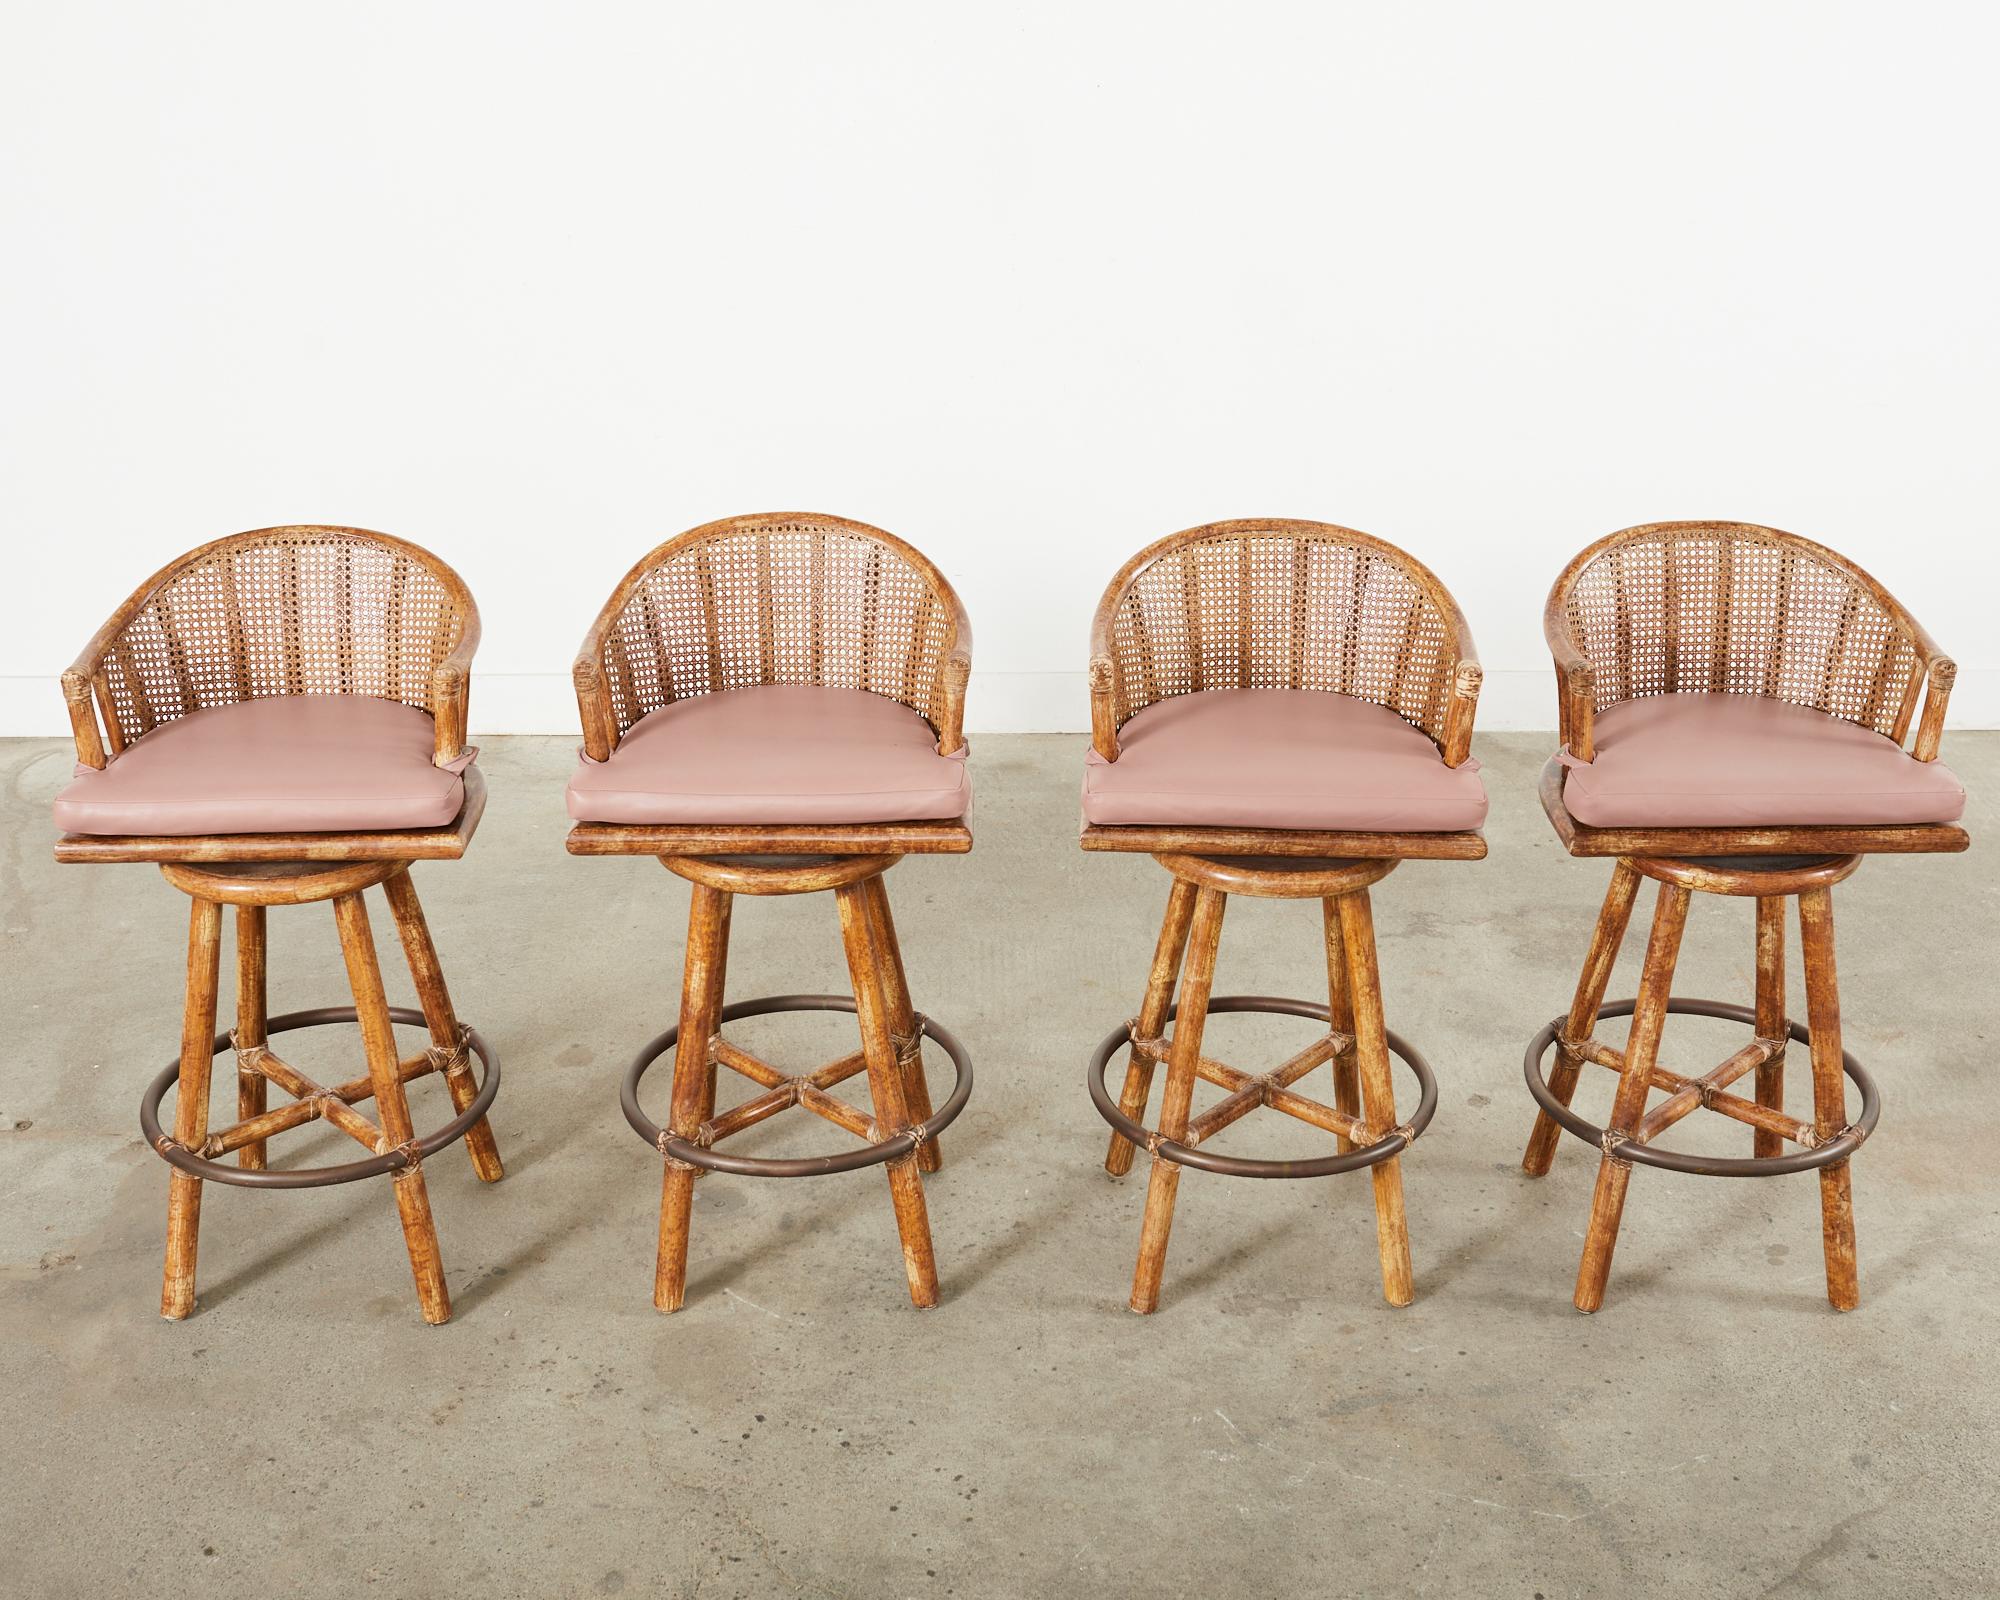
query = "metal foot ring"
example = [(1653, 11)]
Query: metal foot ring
[(867, 1155), (1382, 1149), (1838, 1148), (179, 1155)]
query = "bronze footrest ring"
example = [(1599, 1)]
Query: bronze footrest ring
[(179, 1155), (1242, 1166), (1838, 1148), (868, 1155)]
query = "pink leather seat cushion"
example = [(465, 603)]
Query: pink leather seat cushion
[(1279, 758), (316, 763), (1740, 760), (777, 753)]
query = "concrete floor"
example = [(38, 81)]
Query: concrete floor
[(799, 1429)]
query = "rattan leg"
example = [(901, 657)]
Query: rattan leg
[(1340, 1017), (435, 998), (1642, 1048), (1771, 1023), (867, 964), (694, 1080), (1152, 1019), (1204, 933), (902, 1018), (251, 1013), (1378, 1095), (191, 1103), (1590, 987), (392, 1109), (1836, 1193)]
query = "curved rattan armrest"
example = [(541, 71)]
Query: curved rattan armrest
[(1467, 675), (957, 673), (1576, 679), (451, 689)]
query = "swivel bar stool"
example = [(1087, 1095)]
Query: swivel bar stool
[(1279, 709), (1734, 703), (276, 719), (773, 705)]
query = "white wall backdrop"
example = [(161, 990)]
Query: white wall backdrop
[(540, 285)]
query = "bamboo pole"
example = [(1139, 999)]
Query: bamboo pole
[(1836, 1191), (1152, 1019), (694, 1078), (191, 1104), (1205, 931)]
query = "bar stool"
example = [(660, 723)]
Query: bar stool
[(1279, 709), (1734, 703), (773, 705), (275, 719)]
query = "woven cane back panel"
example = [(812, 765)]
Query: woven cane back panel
[(779, 603), (1281, 610), (1735, 612), (289, 612)]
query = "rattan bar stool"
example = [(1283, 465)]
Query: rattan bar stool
[(276, 719), (1279, 709), (773, 705), (1734, 705)]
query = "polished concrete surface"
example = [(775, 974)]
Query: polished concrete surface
[(798, 1429)]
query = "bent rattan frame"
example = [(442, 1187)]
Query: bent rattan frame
[(1733, 607), (806, 1090), (776, 598), (311, 1106), (1282, 603), (1270, 1089), (291, 610)]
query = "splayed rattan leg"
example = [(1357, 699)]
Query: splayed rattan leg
[(902, 1018), (392, 1109), (1770, 1016), (1152, 1019), (442, 1020), (1836, 1193), (1340, 1017), (1642, 1048), (1205, 932), (191, 1103), (1378, 1094), (251, 1013), (1590, 987), (694, 1080), (867, 964)]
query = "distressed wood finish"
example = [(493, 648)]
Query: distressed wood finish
[(251, 889), (1728, 607), (292, 611), (191, 1103), (859, 839), (890, 1054), (1274, 603), (1355, 1045), (784, 598)]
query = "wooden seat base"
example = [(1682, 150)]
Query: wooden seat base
[(1825, 1144), (1356, 1045), (194, 1152), (902, 1132)]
